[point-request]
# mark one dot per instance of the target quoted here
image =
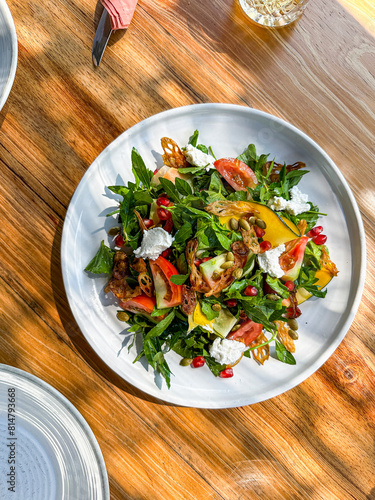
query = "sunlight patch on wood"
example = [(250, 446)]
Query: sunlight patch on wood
[(363, 11)]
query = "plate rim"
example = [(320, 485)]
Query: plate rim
[(51, 391), (295, 381), (14, 43)]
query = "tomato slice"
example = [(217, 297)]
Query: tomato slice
[(167, 293), (140, 304), (248, 331), (236, 173)]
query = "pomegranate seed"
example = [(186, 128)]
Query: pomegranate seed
[(119, 241), (320, 239), (163, 200), (231, 303), (166, 253), (293, 314), (315, 231), (198, 362), (156, 171), (148, 222), (289, 285), (168, 225), (198, 262), (227, 373), (206, 259), (259, 232), (264, 246), (251, 291), (163, 214)]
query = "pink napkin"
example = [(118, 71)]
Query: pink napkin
[(120, 11)]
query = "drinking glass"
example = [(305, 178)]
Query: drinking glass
[(273, 13)]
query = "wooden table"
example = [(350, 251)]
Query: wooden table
[(316, 440)]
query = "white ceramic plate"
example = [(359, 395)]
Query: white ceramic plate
[(228, 129), (48, 452), (8, 52)]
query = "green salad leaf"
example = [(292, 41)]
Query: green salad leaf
[(102, 262)]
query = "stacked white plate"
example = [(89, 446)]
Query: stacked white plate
[(47, 449), (8, 52)]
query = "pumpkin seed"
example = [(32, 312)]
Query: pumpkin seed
[(235, 328), (293, 324), (237, 273), (233, 224), (186, 361), (115, 230), (216, 275), (227, 265), (293, 334), (260, 223), (122, 316), (216, 307), (230, 256), (244, 224), (252, 220)]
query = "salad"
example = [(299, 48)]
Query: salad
[(211, 258)]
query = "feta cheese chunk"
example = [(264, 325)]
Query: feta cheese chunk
[(154, 242), (197, 158), (295, 206), (227, 352), (269, 261)]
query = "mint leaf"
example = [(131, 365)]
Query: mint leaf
[(214, 366), (183, 187), (216, 185), (122, 190), (170, 189), (208, 311), (192, 170), (183, 235), (194, 138), (160, 312), (203, 148), (313, 254), (283, 354), (160, 327), (141, 173), (276, 285), (102, 263), (142, 198), (179, 279)]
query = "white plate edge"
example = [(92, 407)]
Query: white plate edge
[(13, 67)]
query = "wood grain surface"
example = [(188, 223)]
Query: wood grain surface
[(317, 440)]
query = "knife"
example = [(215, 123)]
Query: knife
[(102, 36)]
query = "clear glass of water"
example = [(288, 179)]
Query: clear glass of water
[(273, 13)]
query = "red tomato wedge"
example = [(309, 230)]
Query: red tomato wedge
[(248, 331), (167, 293), (236, 173), (140, 304)]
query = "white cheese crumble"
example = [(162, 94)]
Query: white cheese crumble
[(197, 158), (295, 206), (154, 242), (269, 261), (227, 352)]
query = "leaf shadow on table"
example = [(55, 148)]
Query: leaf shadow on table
[(77, 339)]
